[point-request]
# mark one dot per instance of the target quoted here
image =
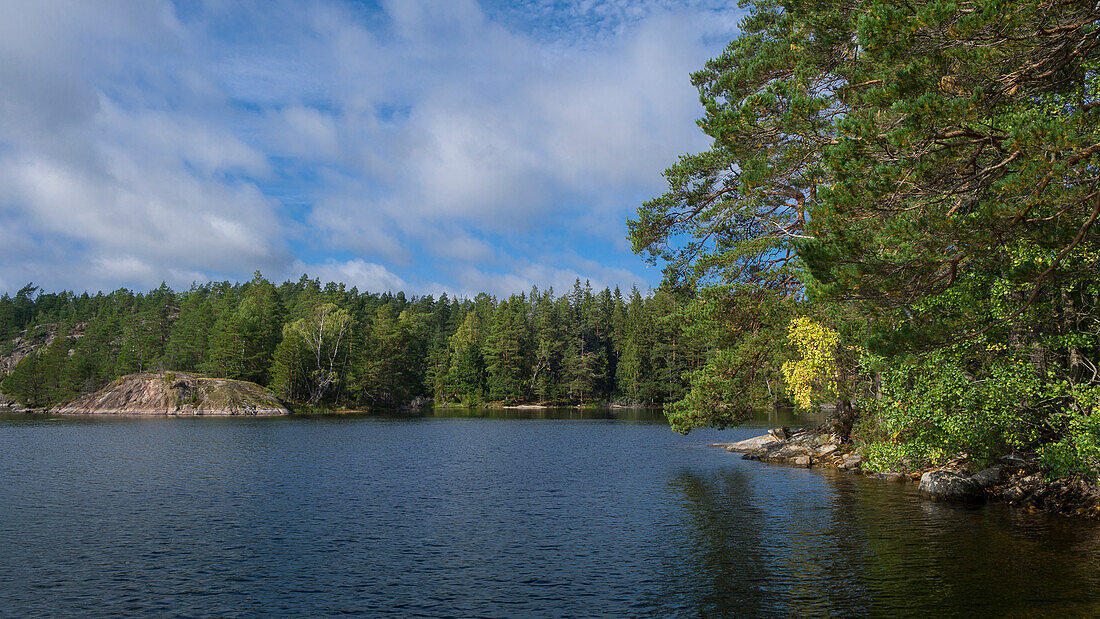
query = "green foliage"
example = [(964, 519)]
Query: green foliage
[(933, 408), (913, 187), (1076, 448)]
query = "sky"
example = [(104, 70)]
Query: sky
[(424, 146)]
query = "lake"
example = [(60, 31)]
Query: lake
[(527, 513)]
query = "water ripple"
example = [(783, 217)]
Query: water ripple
[(489, 518)]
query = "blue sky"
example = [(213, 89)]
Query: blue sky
[(395, 145)]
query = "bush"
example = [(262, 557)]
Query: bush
[(1077, 449), (932, 409)]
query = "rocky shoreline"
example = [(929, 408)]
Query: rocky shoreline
[(1014, 480)]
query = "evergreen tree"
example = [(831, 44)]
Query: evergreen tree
[(507, 350)]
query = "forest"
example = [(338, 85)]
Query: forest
[(327, 346)]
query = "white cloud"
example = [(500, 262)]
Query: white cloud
[(524, 274), (302, 131), (141, 142), (496, 135), (367, 276), (106, 157)]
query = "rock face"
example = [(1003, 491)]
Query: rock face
[(951, 486), (23, 346), (174, 393)]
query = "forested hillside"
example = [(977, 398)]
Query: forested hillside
[(329, 346), (898, 213)]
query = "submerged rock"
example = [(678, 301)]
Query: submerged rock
[(951, 486)]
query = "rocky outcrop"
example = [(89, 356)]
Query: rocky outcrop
[(177, 394), (805, 448)]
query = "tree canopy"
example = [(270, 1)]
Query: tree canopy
[(920, 178)]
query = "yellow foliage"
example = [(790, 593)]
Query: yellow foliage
[(814, 375)]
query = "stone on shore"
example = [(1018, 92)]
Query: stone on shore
[(989, 477), (951, 486), (1030, 486), (750, 444)]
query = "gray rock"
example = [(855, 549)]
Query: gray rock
[(780, 434), (1024, 488), (951, 486), (828, 449), (989, 477), (801, 461), (751, 444), (851, 461)]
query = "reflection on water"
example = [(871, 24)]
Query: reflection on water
[(570, 512), (648, 415), (860, 546), (763, 419)]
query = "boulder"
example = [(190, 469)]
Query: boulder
[(750, 444), (780, 434), (989, 477), (803, 461), (851, 461), (1024, 488), (951, 486)]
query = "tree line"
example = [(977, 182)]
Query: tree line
[(327, 346)]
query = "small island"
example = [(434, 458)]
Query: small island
[(175, 394)]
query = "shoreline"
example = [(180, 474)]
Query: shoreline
[(187, 413), (1013, 480)]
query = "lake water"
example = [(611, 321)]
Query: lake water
[(572, 514)]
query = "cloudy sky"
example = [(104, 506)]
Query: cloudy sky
[(413, 145)]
